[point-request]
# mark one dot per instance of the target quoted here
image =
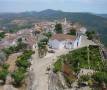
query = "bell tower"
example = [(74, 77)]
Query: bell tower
[(65, 21)]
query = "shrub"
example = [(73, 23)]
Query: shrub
[(5, 66), (18, 76), (100, 77), (23, 63), (84, 78), (3, 74), (57, 66)]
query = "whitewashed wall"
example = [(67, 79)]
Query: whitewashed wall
[(61, 44), (77, 42)]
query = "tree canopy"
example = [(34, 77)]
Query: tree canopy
[(58, 28)]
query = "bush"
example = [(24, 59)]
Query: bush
[(23, 59), (2, 35), (5, 66), (23, 63), (3, 74), (100, 77), (57, 66), (48, 35), (90, 34), (84, 78), (18, 77)]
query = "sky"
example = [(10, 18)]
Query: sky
[(93, 6)]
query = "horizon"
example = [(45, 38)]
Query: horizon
[(90, 6), (47, 9)]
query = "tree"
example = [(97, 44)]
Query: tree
[(19, 40), (21, 46), (44, 41), (91, 34), (58, 28), (42, 47), (48, 35), (2, 35), (18, 76), (72, 31)]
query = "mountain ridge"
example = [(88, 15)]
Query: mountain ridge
[(102, 15)]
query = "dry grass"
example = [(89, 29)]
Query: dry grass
[(11, 61), (68, 72)]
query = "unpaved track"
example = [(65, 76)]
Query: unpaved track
[(39, 69)]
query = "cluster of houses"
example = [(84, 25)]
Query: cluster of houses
[(57, 41), (63, 40), (11, 38)]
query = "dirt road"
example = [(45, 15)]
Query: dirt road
[(39, 69)]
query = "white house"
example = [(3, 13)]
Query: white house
[(60, 41)]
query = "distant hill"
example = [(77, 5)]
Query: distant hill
[(102, 15), (91, 21)]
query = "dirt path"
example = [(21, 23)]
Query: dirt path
[(12, 61), (39, 68)]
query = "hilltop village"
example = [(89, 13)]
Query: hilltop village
[(58, 55)]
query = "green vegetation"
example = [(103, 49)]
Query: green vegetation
[(5, 66), (71, 63), (72, 31), (44, 41), (12, 49), (58, 28), (18, 77), (91, 34), (23, 59), (3, 74), (23, 63), (42, 47), (48, 35), (58, 65), (100, 77), (84, 78), (2, 35), (9, 50), (79, 58)]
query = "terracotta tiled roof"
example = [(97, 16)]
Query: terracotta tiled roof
[(62, 37)]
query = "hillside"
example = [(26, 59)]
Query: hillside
[(102, 15), (91, 21)]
